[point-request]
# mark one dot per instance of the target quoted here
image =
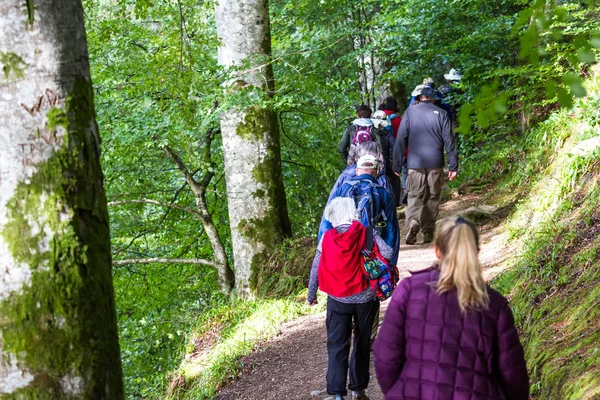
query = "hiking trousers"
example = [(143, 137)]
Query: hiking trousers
[(339, 332), (424, 188)]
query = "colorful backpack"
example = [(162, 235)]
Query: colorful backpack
[(362, 135), (382, 276)]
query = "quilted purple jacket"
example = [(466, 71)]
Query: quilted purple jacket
[(427, 349)]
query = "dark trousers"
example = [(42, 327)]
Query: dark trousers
[(396, 186), (340, 317)]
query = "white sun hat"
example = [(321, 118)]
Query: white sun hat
[(453, 75)]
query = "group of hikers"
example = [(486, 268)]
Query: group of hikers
[(445, 334)]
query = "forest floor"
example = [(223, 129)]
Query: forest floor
[(293, 365)]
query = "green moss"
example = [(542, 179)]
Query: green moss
[(259, 194), (259, 231), (12, 63), (274, 226), (62, 322), (57, 117), (255, 124)]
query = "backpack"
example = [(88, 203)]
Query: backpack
[(382, 276), (390, 118), (362, 135), (363, 192)]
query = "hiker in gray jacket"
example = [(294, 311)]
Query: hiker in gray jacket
[(426, 130)]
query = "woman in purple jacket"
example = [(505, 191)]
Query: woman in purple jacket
[(448, 336)]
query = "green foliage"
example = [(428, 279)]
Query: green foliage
[(287, 270), (558, 44), (157, 307), (554, 282)]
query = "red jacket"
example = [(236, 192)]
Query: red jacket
[(395, 121), (341, 266)]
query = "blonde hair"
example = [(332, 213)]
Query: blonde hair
[(340, 211), (458, 242)]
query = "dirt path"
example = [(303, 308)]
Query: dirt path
[(292, 366)]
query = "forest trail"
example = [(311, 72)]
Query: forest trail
[(292, 366)]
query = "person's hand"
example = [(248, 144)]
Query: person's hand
[(451, 175), (397, 174), (312, 303)]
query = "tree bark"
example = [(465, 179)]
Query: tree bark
[(255, 194), (373, 90), (58, 331)]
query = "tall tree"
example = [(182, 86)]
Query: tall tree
[(58, 327), (256, 198)]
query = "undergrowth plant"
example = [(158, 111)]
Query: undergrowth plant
[(554, 282), (223, 337)]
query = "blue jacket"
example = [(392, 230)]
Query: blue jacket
[(390, 233)]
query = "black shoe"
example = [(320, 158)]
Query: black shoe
[(427, 237), (360, 395), (411, 234), (405, 200)]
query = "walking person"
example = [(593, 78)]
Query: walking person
[(359, 131), (390, 108), (447, 335), (349, 174), (380, 211), (426, 130), (337, 270), (363, 179)]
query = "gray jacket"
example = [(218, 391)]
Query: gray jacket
[(425, 130)]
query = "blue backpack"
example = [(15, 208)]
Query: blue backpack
[(364, 193), (382, 276), (390, 118)]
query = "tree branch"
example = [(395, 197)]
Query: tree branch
[(158, 203), (193, 183), (296, 163), (166, 261)]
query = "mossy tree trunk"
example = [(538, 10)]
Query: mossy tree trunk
[(256, 198), (58, 326)]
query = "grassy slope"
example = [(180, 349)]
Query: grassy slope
[(225, 334), (554, 283)]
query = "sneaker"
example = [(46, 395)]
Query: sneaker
[(427, 237), (360, 395), (411, 234)]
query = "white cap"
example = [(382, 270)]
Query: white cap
[(380, 120), (417, 91), (453, 75), (367, 162)]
